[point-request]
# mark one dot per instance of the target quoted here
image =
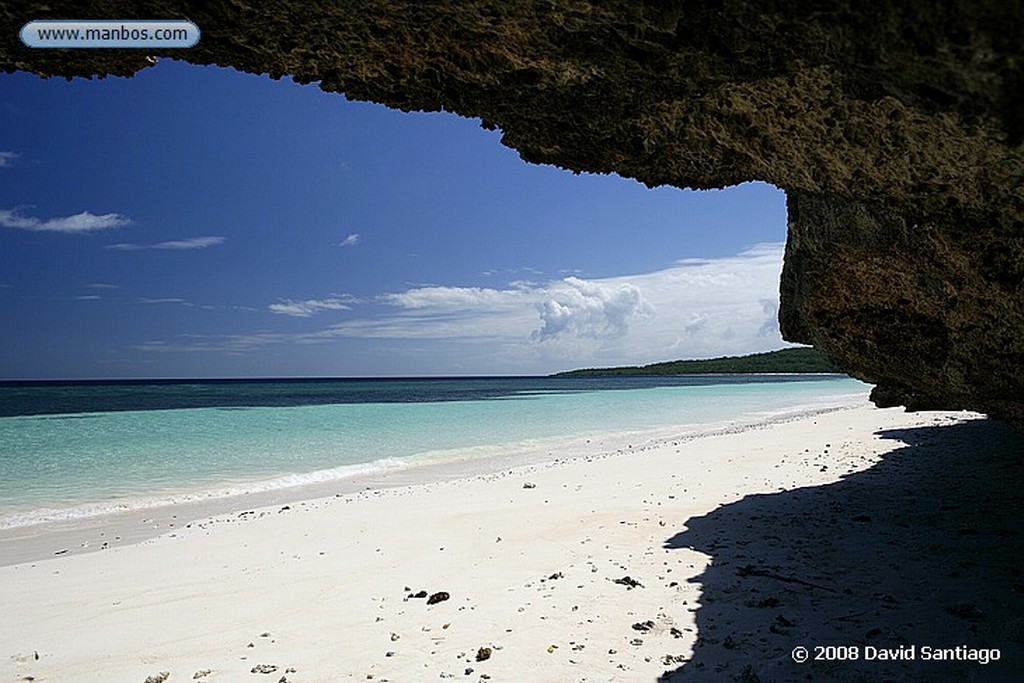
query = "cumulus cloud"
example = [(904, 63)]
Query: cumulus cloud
[(584, 308), (770, 326), (696, 322), (83, 222), (188, 243), (350, 241), (310, 307), (694, 308), (7, 159)]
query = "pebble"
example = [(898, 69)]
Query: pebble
[(440, 596), (263, 669)]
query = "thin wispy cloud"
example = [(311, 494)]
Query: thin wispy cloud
[(87, 297), (224, 343), (79, 223), (350, 241), (183, 244), (8, 159), (166, 300), (310, 307), (101, 285)]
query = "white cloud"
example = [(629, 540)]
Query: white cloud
[(78, 223), (694, 308), (350, 241), (226, 343), (583, 308), (453, 298), (7, 159), (188, 243), (310, 307), (167, 300), (101, 285)]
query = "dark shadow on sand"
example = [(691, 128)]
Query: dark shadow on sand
[(926, 548)]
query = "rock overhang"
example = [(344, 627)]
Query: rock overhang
[(895, 131)]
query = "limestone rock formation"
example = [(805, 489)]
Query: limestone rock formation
[(895, 129)]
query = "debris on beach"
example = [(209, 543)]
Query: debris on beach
[(629, 582), (440, 596), (263, 669), (529, 485), (159, 678), (483, 654)]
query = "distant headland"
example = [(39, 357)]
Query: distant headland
[(804, 359)]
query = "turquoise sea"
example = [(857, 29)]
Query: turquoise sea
[(76, 449)]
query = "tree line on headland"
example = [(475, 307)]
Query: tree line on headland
[(805, 359)]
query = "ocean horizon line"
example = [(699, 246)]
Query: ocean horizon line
[(371, 378)]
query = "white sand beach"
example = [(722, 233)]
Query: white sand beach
[(710, 558)]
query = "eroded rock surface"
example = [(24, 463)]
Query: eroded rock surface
[(895, 131)]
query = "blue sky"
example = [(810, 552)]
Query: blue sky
[(198, 222)]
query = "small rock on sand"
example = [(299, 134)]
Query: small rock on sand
[(440, 596), (159, 678), (263, 669), (629, 582)]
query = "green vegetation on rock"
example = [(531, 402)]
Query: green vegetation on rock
[(798, 359)]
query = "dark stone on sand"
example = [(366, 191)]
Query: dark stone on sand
[(629, 582), (440, 596), (421, 594), (159, 678), (483, 654), (263, 669), (643, 626)]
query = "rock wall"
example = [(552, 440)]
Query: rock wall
[(895, 130)]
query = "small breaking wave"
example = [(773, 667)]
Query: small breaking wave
[(81, 511)]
